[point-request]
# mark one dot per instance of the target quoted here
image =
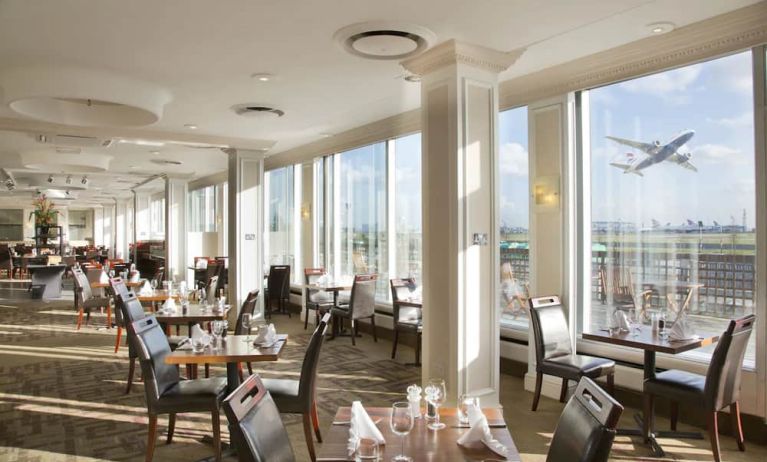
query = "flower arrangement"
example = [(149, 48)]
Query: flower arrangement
[(45, 211)]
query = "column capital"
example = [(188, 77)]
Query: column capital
[(454, 52), (255, 154)]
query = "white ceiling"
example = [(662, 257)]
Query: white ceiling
[(203, 52)]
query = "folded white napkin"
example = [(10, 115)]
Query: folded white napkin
[(267, 335), (621, 321), (201, 264), (480, 431), (146, 289), (103, 277), (169, 305), (135, 276), (198, 333), (324, 279), (680, 330), (362, 426)]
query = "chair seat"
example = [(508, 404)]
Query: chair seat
[(285, 395), (677, 385), (96, 302), (193, 395), (573, 367), (320, 297), (410, 324), (344, 297), (340, 310)]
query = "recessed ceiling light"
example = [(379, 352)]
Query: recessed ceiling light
[(262, 76), (154, 152), (149, 143), (660, 27), (133, 167), (412, 78), (191, 126), (326, 135)]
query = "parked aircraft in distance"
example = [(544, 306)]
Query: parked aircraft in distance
[(689, 226), (654, 153)]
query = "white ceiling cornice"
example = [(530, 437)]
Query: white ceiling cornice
[(454, 52)]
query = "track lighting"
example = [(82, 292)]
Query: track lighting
[(50, 178), (84, 181), (69, 179)]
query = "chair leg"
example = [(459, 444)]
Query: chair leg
[(152, 437), (131, 371), (308, 435), (306, 319), (418, 348), (207, 370), (354, 332), (713, 435), (611, 385), (674, 414), (649, 403), (80, 314), (737, 425), (373, 323), (171, 427), (216, 434), (538, 384), (119, 336), (250, 368), (394, 347), (563, 392), (316, 422), (239, 372), (109, 316)]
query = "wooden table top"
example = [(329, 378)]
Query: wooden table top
[(104, 285), (421, 443), (646, 339), (330, 286), (195, 313), (236, 349), (157, 295)]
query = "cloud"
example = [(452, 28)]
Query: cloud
[(744, 120), (665, 83), (514, 160), (732, 73), (717, 153)]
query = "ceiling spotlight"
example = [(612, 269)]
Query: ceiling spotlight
[(154, 152), (412, 78), (262, 76), (660, 27), (191, 126), (326, 135), (84, 181), (50, 178), (69, 179), (10, 184)]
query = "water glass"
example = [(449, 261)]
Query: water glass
[(367, 450), (198, 344), (435, 395), (154, 284), (218, 330), (247, 318), (401, 422), (464, 403)]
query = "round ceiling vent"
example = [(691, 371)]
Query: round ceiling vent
[(166, 162), (257, 110), (384, 39)]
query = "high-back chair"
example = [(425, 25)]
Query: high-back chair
[(719, 388), (257, 430), (277, 288), (362, 305), (586, 428), (85, 301), (166, 393), (6, 261), (407, 319), (120, 292), (299, 396), (320, 301), (553, 350), (211, 289), (248, 307)]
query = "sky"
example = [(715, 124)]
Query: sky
[(513, 165)]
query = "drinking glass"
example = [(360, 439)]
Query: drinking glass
[(246, 319), (367, 450), (435, 395), (198, 344), (218, 330), (401, 423), (111, 273), (154, 284), (464, 403)]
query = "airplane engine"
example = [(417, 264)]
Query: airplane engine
[(656, 143), (688, 155)]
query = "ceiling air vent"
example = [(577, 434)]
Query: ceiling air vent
[(166, 162), (384, 40), (257, 110), (74, 141)]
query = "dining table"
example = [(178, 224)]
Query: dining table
[(233, 350), (105, 285), (644, 338), (422, 444)]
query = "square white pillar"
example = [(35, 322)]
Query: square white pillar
[(175, 228)]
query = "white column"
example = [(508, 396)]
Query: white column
[(121, 229), (141, 216), (245, 227), (175, 228), (98, 226), (459, 106)]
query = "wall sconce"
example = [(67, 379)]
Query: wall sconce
[(306, 211), (546, 193)]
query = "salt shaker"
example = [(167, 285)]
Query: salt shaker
[(414, 398)]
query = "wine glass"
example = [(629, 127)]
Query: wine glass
[(401, 423), (246, 320), (154, 284), (435, 395), (218, 330)]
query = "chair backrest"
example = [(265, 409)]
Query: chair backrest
[(278, 281), (82, 285), (248, 307), (212, 289), (120, 292), (311, 275), (153, 347), (159, 274), (6, 258), (586, 428), (723, 377), (362, 303), (258, 432), (308, 378), (400, 290), (550, 330)]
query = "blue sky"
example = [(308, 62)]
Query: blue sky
[(514, 176)]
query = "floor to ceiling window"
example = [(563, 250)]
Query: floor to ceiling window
[(157, 216), (673, 195), (514, 217), (202, 209), (406, 213), (282, 224)]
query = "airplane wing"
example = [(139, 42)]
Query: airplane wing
[(682, 161), (647, 148)]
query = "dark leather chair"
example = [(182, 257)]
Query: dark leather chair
[(85, 301), (299, 396), (553, 350), (362, 305), (257, 430), (166, 393), (6, 261), (277, 289), (586, 428), (211, 289), (319, 301), (248, 307), (718, 389), (407, 319)]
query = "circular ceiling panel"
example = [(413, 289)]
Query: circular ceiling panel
[(384, 39), (82, 97), (51, 160)]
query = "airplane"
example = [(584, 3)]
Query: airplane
[(655, 153)]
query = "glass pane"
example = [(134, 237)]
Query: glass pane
[(280, 218), (407, 194), (514, 217), (202, 210), (361, 214), (673, 195)]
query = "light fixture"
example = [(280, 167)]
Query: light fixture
[(546, 193), (137, 142), (413, 78), (660, 27), (326, 135), (84, 181), (191, 126), (50, 178), (69, 179), (262, 76), (154, 152)]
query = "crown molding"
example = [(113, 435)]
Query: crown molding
[(738, 30), (454, 52)]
